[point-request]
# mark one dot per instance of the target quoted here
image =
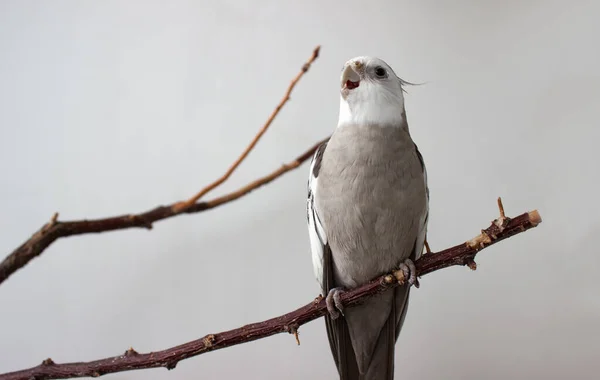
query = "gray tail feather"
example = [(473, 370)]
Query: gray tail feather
[(341, 348), (382, 362), (337, 330)]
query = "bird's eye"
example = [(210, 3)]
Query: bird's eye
[(380, 71)]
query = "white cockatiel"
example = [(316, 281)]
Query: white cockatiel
[(368, 206)]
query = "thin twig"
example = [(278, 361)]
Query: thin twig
[(179, 207), (55, 229), (461, 254), (264, 180), (501, 208)]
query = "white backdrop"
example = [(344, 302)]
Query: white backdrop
[(110, 107)]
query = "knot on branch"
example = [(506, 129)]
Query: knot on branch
[(209, 340), (53, 221), (479, 241), (471, 264), (140, 221), (314, 56), (292, 328), (131, 352), (48, 361), (389, 279), (487, 236), (171, 365)]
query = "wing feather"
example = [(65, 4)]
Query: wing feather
[(423, 232), (316, 232), (337, 330)]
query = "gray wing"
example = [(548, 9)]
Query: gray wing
[(316, 232), (423, 235), (337, 330)]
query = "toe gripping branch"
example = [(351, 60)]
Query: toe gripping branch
[(334, 303), (462, 254)]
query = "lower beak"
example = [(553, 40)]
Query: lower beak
[(350, 77)]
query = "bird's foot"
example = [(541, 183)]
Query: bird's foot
[(334, 303), (409, 273)]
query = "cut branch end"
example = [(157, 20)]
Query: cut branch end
[(535, 217)]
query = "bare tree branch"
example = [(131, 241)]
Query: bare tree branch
[(183, 205), (56, 229), (461, 254)]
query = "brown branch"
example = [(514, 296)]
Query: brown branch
[(184, 205), (55, 229), (462, 254)]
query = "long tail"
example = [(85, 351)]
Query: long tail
[(341, 348), (337, 330), (363, 341)]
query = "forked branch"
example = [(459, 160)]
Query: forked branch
[(56, 229)]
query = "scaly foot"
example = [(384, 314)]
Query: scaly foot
[(410, 272), (334, 303)]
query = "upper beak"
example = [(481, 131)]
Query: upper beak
[(352, 72)]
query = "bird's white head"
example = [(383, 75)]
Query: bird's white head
[(371, 94)]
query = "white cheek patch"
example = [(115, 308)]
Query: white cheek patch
[(345, 116), (371, 104)]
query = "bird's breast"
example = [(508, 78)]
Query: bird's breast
[(371, 198)]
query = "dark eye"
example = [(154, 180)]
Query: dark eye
[(380, 71)]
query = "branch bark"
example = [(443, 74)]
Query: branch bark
[(55, 229), (461, 254)]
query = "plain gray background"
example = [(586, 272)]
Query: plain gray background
[(109, 107)]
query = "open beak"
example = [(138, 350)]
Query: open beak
[(351, 75)]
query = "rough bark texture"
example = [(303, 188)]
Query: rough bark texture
[(461, 254)]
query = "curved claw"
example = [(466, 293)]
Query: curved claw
[(405, 271), (334, 303), (412, 279), (410, 272)]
